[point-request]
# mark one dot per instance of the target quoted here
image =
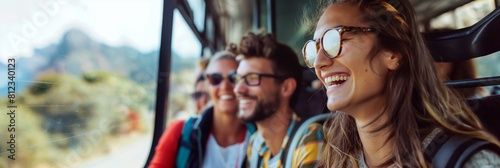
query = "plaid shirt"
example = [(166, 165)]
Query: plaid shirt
[(307, 154)]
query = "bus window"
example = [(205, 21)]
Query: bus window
[(487, 66), (186, 51), (198, 8), (78, 82), (463, 16)]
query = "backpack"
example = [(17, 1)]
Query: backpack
[(185, 145), (453, 151)]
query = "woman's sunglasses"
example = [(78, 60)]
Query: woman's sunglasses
[(198, 95), (216, 78), (330, 42)]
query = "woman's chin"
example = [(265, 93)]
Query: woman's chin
[(229, 109), (335, 104)]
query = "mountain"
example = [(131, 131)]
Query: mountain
[(77, 53)]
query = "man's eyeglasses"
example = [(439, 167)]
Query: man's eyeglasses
[(330, 42), (253, 79), (216, 78)]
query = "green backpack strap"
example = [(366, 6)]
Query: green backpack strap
[(251, 128), (185, 145)]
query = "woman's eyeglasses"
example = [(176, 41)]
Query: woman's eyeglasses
[(216, 78), (252, 79), (330, 42)]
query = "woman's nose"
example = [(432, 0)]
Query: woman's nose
[(226, 84), (322, 60)]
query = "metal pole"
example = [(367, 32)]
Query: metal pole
[(163, 75), (187, 15), (468, 83), (271, 17), (256, 15)]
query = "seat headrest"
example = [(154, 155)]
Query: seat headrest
[(477, 40), (487, 110)]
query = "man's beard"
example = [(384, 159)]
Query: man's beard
[(265, 109)]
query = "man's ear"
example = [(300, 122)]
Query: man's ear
[(391, 59), (288, 87)]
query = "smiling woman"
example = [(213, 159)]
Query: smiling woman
[(215, 138), (379, 77)]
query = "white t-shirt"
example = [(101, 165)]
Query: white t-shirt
[(224, 157)]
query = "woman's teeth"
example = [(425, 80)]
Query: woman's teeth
[(244, 101), (336, 79), (226, 97)]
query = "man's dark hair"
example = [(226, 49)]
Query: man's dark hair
[(283, 59)]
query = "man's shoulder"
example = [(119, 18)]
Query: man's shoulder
[(315, 125), (306, 152), (314, 132), (313, 129)]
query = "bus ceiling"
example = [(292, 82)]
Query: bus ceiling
[(227, 20)]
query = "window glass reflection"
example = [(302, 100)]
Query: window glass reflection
[(186, 53), (85, 81)]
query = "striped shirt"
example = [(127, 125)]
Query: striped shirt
[(307, 154)]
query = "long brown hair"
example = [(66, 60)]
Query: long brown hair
[(417, 102)]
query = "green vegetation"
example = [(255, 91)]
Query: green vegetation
[(62, 116)]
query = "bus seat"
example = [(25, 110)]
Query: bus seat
[(477, 40), (487, 109)]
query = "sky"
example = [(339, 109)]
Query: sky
[(29, 24)]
